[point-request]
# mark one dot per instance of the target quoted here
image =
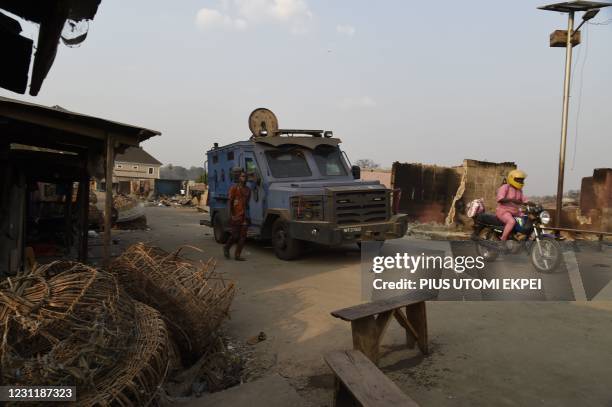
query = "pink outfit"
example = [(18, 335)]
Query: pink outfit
[(507, 211)]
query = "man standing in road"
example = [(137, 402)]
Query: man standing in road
[(238, 204)]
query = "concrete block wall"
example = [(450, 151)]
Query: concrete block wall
[(483, 179)]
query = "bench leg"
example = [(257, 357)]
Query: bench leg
[(411, 333), (342, 396), (368, 332), (416, 315)]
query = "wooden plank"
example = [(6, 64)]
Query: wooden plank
[(367, 384), (376, 307)]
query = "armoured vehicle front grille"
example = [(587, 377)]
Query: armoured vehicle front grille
[(352, 207)]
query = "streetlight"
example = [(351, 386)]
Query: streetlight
[(591, 8)]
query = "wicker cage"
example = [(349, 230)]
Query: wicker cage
[(137, 377), (193, 298), (62, 323)]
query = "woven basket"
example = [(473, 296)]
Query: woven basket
[(191, 296), (63, 323), (138, 375)]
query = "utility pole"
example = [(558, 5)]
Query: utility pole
[(564, 118), (572, 38)]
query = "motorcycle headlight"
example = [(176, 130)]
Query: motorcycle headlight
[(545, 217)]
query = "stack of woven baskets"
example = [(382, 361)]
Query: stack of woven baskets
[(66, 323)]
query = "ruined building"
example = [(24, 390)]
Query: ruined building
[(430, 193), (596, 201)]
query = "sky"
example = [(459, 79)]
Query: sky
[(428, 82)]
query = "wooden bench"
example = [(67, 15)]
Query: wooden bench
[(358, 382), (369, 323)]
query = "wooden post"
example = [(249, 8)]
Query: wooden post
[(108, 196), (68, 241), (368, 332), (83, 199)]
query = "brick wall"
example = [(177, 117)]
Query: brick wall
[(483, 179)]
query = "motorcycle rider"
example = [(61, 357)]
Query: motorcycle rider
[(509, 199)]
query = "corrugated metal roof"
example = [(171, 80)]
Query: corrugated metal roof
[(57, 112)]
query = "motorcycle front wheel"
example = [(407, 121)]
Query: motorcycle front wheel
[(546, 255)]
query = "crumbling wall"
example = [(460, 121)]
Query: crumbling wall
[(596, 200), (427, 190), (480, 180), (432, 193)]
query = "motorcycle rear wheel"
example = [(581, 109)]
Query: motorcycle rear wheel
[(488, 254)]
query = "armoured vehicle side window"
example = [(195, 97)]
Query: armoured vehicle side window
[(288, 164), (329, 161), (250, 165)]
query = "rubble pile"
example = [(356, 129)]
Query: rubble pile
[(176, 200), (69, 324), (124, 202), (193, 298)]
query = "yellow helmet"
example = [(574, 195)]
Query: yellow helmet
[(516, 178)]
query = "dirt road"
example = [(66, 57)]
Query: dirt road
[(483, 353)]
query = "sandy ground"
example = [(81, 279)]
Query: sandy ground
[(483, 353)]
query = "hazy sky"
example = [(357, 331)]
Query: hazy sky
[(395, 80)]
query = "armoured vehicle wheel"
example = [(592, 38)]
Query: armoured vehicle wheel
[(221, 235), (285, 247)]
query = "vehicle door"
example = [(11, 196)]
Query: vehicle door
[(255, 183)]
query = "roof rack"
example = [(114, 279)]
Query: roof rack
[(313, 133)]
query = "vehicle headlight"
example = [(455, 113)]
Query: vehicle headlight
[(307, 208), (545, 217)]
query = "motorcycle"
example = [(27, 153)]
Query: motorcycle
[(529, 234)]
